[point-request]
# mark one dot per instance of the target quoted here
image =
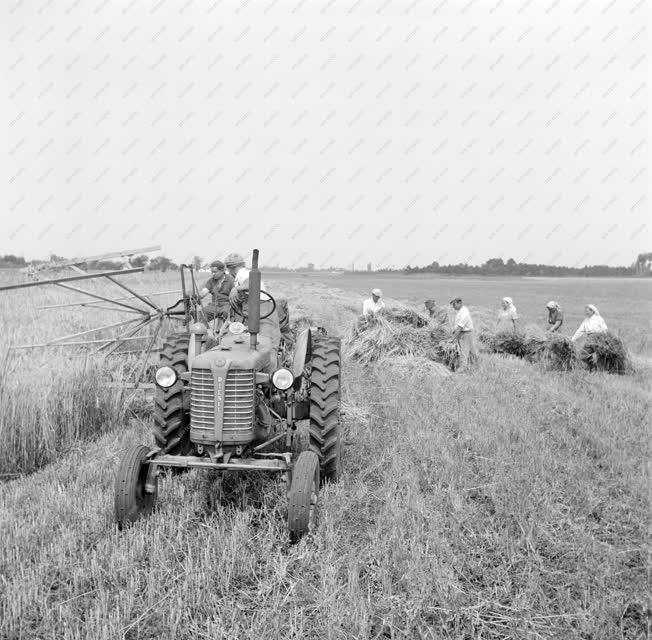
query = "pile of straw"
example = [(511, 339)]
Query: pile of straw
[(605, 352), (395, 333)]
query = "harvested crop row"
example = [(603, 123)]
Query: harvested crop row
[(601, 351)]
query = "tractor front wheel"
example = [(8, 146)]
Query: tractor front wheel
[(303, 497), (131, 501)]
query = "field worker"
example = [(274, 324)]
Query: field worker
[(463, 333), (555, 316), (593, 323), (507, 316), (269, 326), (373, 305), (436, 314), (219, 285)]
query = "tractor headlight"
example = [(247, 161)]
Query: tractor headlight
[(282, 379), (165, 377)]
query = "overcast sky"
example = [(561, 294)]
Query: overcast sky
[(334, 132)]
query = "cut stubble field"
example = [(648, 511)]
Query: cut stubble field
[(510, 502)]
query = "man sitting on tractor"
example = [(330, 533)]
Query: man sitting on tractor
[(219, 285), (269, 326)]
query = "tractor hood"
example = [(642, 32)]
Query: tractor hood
[(236, 349)]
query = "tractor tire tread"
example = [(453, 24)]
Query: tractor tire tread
[(171, 423), (126, 481), (324, 430), (299, 496)]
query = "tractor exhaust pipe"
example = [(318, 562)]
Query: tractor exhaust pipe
[(253, 323)]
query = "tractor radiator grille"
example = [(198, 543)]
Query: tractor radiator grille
[(238, 415)]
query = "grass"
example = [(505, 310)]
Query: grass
[(509, 502)]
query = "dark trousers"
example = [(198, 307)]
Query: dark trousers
[(219, 310)]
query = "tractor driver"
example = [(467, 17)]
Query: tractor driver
[(219, 285), (269, 326)]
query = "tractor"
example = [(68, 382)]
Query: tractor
[(225, 394)]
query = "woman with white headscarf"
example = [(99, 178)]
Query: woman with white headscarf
[(507, 316), (593, 323)]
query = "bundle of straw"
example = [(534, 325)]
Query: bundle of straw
[(485, 337), (535, 347), (439, 333), (558, 352), (605, 352), (509, 343), (448, 352)]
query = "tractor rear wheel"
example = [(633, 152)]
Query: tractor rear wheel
[(171, 422), (325, 387), (303, 497), (131, 501)]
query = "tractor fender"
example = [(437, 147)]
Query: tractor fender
[(302, 353)]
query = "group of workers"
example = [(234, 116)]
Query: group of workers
[(592, 323), (229, 284), (506, 321)]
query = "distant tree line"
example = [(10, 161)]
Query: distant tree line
[(493, 267), (160, 263), (498, 267), (9, 261)]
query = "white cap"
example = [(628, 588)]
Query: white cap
[(233, 260), (377, 292)]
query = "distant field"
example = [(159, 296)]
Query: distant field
[(510, 503)]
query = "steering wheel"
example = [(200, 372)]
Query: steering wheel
[(240, 310)]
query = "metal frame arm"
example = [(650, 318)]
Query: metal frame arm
[(99, 297), (87, 276)]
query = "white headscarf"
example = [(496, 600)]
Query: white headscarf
[(508, 301), (593, 324)]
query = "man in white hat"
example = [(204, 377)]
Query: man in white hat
[(463, 334), (269, 326), (374, 304)]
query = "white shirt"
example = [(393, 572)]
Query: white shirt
[(369, 306), (594, 324), (242, 276), (463, 319)]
